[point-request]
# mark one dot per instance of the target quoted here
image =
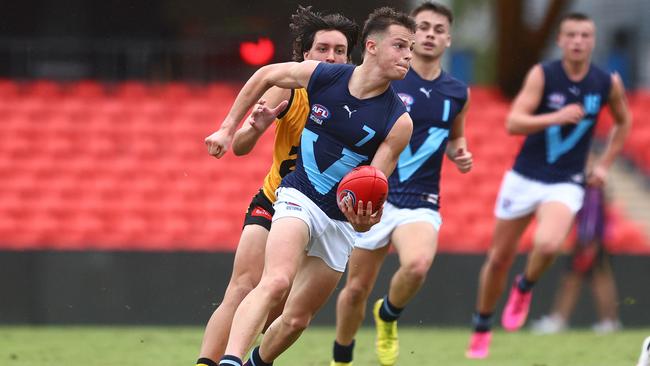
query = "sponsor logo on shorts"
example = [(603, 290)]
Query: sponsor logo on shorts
[(293, 206), (506, 203), (261, 212)]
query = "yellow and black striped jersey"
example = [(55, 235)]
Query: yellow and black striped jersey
[(288, 129)]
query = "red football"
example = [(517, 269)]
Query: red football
[(365, 183)]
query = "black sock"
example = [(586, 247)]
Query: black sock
[(256, 359), (482, 322), (205, 361), (389, 312), (524, 285), (228, 360), (343, 353)]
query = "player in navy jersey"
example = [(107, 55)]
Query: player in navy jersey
[(328, 38), (557, 108), (356, 119), (437, 104)]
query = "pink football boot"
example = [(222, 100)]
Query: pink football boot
[(516, 311), (479, 345)]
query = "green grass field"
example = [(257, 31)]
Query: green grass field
[(167, 346)]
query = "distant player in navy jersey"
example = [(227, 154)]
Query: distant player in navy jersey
[(557, 108), (437, 104), (356, 119)]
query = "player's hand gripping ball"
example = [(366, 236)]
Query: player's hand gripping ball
[(365, 183)]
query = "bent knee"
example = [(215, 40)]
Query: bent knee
[(356, 292), (418, 268), (275, 286), (297, 322), (549, 247), (500, 261), (237, 291), (244, 281)]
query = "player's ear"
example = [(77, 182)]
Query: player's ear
[(371, 46)]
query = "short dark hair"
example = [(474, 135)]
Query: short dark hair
[(575, 16), (305, 24), (436, 8), (382, 18)]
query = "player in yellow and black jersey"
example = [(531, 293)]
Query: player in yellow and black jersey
[(328, 38), (289, 125)]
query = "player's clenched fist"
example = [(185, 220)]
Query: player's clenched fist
[(218, 143), (463, 160), (571, 113), (597, 175)]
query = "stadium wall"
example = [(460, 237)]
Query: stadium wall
[(183, 288)]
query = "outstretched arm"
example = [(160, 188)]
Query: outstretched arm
[(522, 120), (289, 75), (622, 124), (457, 145)]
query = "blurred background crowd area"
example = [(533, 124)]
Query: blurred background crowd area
[(104, 107)]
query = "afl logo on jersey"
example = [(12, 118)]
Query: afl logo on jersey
[(556, 100), (407, 100), (319, 113)]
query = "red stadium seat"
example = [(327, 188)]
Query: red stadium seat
[(86, 89), (8, 89), (176, 92), (131, 91), (124, 167), (44, 88)]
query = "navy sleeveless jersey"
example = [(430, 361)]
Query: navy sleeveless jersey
[(341, 133), (433, 105), (559, 152)]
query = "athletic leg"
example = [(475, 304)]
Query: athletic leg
[(313, 285), (363, 268), (246, 274), (494, 273), (603, 287), (285, 249), (554, 222), (492, 281), (416, 245)]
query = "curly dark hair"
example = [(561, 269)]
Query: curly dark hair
[(382, 18), (305, 24)]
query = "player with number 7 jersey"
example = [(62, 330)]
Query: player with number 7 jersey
[(355, 118), (342, 132)]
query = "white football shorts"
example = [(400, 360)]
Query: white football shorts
[(330, 240), (379, 235), (520, 196)]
